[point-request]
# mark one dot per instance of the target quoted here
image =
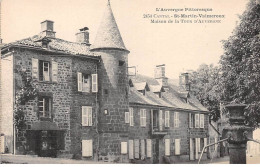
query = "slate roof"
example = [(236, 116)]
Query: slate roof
[(55, 44), (108, 34), (172, 97)]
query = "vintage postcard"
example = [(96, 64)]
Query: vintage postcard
[(129, 81)]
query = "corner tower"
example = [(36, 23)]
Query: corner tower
[(113, 86)]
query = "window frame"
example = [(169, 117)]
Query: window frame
[(143, 117), (167, 119), (131, 116), (88, 116), (43, 106)]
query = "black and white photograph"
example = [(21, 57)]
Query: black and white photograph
[(130, 82)]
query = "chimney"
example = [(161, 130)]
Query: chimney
[(159, 75), (47, 29), (184, 81), (83, 36)]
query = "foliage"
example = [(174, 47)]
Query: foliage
[(240, 64), (26, 92), (205, 86)]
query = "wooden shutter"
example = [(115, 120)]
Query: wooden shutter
[(142, 149), (201, 120), (35, 68), (190, 121), (87, 148), (160, 120), (127, 117), (136, 148), (141, 117), (176, 119), (94, 83), (216, 145), (2, 146), (89, 116), (197, 121), (205, 144), (54, 71), (79, 81), (84, 116), (191, 149), (167, 147), (167, 119), (149, 148), (196, 148), (144, 121), (131, 149), (131, 116), (177, 146), (123, 147)]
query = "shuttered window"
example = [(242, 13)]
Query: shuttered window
[(177, 146), (205, 144), (201, 120), (127, 117), (197, 120), (87, 148), (160, 120), (167, 119), (176, 119), (86, 116), (136, 148), (94, 83), (143, 117), (54, 71), (142, 149), (216, 145), (191, 149), (35, 65), (123, 147), (167, 147), (149, 148), (131, 113), (131, 149)]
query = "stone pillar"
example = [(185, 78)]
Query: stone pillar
[(237, 133)]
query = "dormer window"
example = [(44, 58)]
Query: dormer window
[(142, 87)]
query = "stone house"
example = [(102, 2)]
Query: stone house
[(89, 107)]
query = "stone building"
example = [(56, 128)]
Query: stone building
[(89, 107)]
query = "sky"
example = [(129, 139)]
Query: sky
[(179, 46)]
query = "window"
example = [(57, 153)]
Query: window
[(197, 120), (167, 147), (142, 149), (149, 148), (197, 146), (87, 148), (86, 116), (44, 70), (143, 117), (131, 149), (176, 119), (136, 148), (131, 113), (127, 117), (123, 147), (44, 107), (177, 146), (86, 81), (167, 119), (121, 62), (201, 120), (201, 144)]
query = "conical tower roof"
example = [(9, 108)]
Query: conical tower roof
[(108, 35)]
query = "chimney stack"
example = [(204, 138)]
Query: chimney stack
[(184, 81), (47, 29), (83, 36), (159, 75)]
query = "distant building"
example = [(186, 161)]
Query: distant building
[(89, 107)]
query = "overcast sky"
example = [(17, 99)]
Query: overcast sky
[(179, 46)]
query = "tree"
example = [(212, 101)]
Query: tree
[(240, 64), (205, 86)]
